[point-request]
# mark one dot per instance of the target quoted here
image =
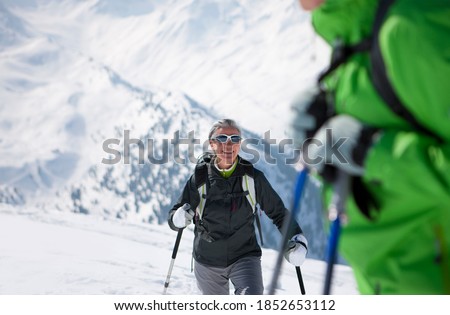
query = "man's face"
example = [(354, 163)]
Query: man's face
[(226, 152)]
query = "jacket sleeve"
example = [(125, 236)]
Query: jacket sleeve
[(272, 204), (189, 195), (409, 172)]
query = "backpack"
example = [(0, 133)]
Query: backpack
[(380, 80), (202, 172)]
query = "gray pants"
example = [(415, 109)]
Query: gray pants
[(245, 274)]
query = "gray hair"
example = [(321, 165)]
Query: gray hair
[(223, 123)]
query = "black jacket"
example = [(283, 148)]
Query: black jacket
[(228, 217)]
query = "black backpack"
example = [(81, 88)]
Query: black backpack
[(202, 172)]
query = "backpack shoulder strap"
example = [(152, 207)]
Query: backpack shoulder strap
[(202, 171), (380, 78), (248, 185), (248, 182)]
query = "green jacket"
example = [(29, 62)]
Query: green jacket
[(406, 248)]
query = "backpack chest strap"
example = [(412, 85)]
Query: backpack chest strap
[(248, 186)]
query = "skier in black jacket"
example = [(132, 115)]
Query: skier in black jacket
[(225, 244)]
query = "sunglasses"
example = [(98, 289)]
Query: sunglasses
[(225, 138)]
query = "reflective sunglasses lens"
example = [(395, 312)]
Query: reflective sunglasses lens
[(222, 138), (235, 139)]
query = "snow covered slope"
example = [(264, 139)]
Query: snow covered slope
[(64, 253)]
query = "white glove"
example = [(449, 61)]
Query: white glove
[(183, 216), (297, 250)]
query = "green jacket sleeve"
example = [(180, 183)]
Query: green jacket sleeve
[(408, 171)]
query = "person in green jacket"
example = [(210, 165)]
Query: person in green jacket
[(397, 234)]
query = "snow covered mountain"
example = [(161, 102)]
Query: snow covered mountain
[(77, 74)]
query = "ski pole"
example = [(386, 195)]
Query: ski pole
[(301, 180), (300, 280), (336, 212), (174, 255)]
